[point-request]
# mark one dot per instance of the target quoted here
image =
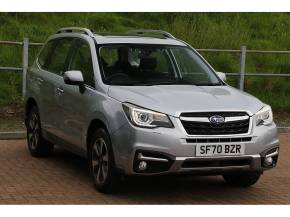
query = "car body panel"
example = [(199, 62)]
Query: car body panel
[(187, 98), (136, 40)]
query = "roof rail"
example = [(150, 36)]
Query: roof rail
[(76, 29), (144, 31)]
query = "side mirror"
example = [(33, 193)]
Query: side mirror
[(222, 76), (73, 78)]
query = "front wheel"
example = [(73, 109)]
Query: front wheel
[(101, 162), (244, 179)]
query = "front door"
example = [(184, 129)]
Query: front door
[(75, 104)]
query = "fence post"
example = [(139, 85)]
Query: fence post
[(242, 67), (24, 64)]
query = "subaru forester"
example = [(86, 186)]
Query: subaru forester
[(144, 103)]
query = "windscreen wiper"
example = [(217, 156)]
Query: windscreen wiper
[(178, 82), (209, 84)]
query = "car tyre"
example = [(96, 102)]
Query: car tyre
[(102, 164), (37, 145), (245, 179)]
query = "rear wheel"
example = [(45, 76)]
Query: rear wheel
[(37, 145), (244, 179), (101, 160)]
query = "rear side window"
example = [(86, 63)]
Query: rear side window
[(82, 61), (57, 62)]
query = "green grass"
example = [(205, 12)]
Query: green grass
[(10, 88), (266, 31)]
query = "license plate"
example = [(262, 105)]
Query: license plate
[(219, 150)]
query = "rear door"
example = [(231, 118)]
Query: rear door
[(38, 77), (54, 66)]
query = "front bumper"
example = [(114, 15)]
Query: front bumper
[(173, 144)]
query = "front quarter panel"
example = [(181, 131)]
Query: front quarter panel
[(107, 110)]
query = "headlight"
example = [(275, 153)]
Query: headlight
[(264, 116), (146, 118)]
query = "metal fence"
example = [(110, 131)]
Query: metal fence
[(25, 53), (241, 74)]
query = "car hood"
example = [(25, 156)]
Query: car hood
[(175, 99)]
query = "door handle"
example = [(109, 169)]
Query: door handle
[(39, 80), (59, 90)]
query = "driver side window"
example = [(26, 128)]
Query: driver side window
[(82, 61)]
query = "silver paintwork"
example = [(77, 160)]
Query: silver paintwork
[(222, 76), (135, 40), (216, 98), (272, 154), (75, 76), (141, 157), (66, 114)]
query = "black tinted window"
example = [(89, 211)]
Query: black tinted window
[(82, 61), (57, 61), (126, 64), (139, 64)]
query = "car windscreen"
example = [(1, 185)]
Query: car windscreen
[(139, 64)]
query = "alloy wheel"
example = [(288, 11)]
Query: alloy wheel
[(33, 133), (100, 160)]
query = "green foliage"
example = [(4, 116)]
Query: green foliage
[(265, 31), (10, 87)]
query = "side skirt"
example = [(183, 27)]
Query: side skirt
[(62, 143)]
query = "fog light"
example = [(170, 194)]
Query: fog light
[(142, 166), (268, 161)]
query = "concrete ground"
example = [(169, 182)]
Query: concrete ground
[(64, 179)]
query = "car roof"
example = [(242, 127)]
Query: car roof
[(131, 39)]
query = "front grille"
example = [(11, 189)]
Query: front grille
[(218, 140), (209, 114), (208, 128), (215, 163)]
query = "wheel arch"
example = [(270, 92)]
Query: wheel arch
[(94, 125), (31, 102)]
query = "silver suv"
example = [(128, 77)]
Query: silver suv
[(144, 103)]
